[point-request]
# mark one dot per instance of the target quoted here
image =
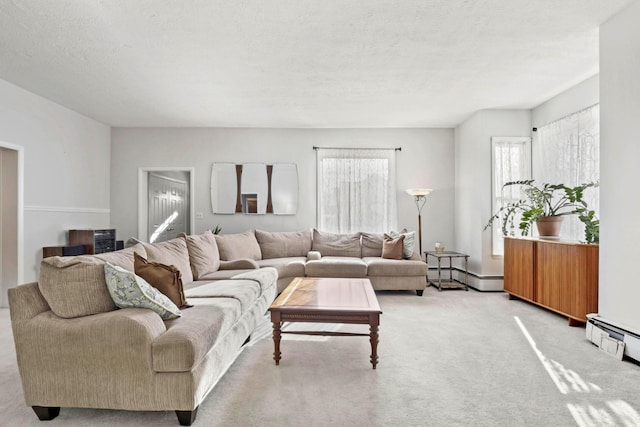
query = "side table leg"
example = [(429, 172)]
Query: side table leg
[(439, 277), (466, 273), (373, 338), (276, 341)]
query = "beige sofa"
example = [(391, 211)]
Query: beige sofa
[(318, 254), (75, 349)]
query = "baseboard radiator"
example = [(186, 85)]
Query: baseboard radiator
[(612, 338)]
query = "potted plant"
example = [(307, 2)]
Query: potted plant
[(546, 204)]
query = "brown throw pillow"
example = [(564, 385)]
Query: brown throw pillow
[(165, 278), (392, 248)]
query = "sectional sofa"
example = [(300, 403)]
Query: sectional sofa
[(314, 253), (75, 348)]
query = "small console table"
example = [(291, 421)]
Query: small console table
[(450, 282)]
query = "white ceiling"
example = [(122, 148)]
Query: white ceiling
[(298, 63)]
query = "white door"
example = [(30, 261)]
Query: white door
[(168, 207)]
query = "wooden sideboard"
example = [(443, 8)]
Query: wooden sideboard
[(560, 276)]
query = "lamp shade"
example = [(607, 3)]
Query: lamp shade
[(418, 191)]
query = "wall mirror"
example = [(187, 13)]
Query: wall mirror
[(284, 188), (224, 188), (254, 188)]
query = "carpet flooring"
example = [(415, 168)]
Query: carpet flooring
[(450, 358)]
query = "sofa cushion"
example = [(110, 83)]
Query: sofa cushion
[(286, 267), (332, 244), (392, 248), (372, 244), (172, 252), (283, 244), (75, 286), (129, 290), (190, 338), (409, 241), (165, 278), (217, 275), (244, 291), (377, 266), (240, 245), (331, 266), (123, 258), (203, 254), (239, 264)]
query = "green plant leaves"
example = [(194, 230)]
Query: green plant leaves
[(547, 200)]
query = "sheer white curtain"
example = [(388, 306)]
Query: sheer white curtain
[(356, 190), (511, 162), (568, 152)]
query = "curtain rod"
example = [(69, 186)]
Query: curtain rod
[(355, 148)]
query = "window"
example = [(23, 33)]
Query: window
[(356, 190), (511, 162), (567, 151)]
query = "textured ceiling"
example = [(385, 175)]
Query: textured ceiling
[(298, 63)]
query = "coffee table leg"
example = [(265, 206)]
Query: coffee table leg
[(373, 338), (276, 341)]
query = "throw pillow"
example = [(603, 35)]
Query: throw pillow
[(392, 248), (409, 241), (165, 278), (129, 290)]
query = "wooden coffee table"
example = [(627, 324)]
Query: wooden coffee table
[(327, 300)]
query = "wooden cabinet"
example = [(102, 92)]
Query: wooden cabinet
[(560, 276)]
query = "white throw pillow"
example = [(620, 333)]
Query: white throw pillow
[(129, 290), (409, 243)]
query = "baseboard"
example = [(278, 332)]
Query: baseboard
[(476, 281)]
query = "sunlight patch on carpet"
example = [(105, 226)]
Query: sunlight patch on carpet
[(617, 412)]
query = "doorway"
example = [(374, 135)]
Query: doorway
[(165, 203), (11, 184)]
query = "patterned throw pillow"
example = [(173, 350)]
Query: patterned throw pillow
[(129, 290), (409, 241)]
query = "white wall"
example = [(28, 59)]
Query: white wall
[(66, 169), (473, 183), (619, 296), (574, 99), (426, 160)]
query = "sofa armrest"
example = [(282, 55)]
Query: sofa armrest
[(25, 302), (75, 362), (239, 264)]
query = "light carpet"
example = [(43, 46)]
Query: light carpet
[(450, 358)]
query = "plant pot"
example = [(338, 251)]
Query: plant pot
[(549, 226)]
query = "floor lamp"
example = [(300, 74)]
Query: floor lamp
[(420, 196)]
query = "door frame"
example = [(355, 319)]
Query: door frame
[(4, 301), (143, 201)]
